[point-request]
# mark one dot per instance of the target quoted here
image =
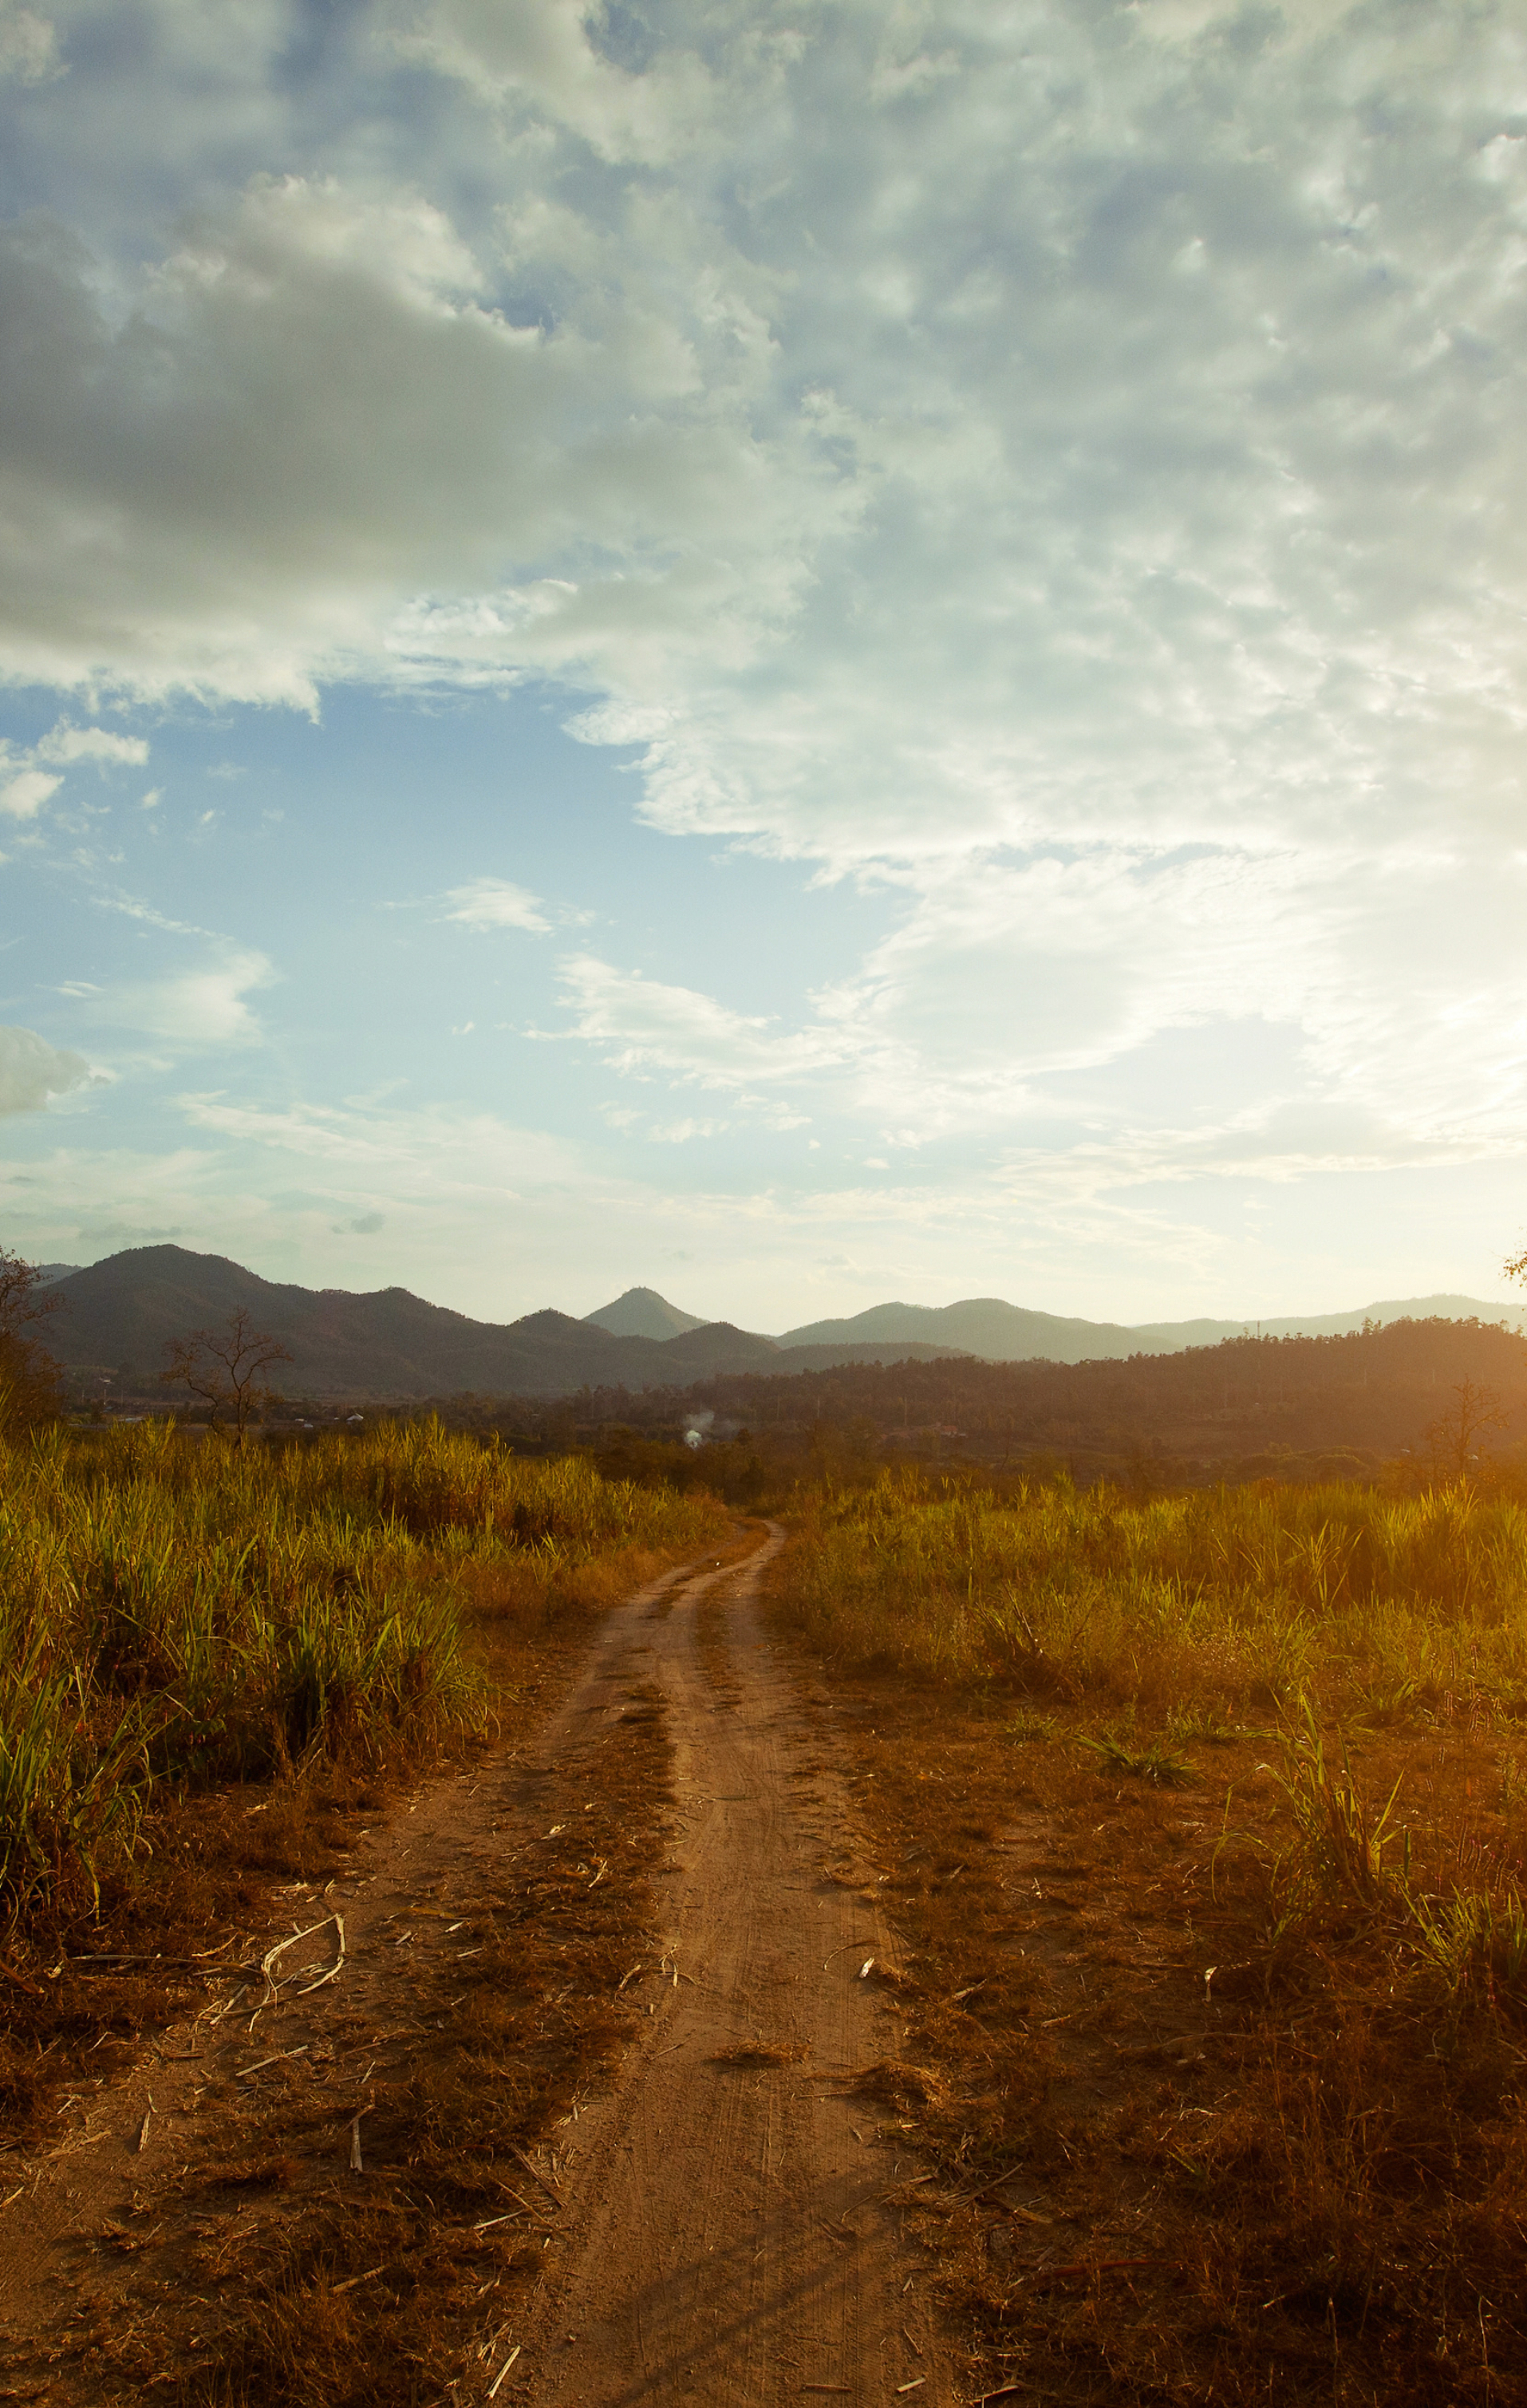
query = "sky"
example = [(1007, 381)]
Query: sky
[(799, 651)]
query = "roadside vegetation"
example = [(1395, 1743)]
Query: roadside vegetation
[(181, 1617), (1238, 1598), (1205, 1822)]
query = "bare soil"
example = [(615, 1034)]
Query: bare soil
[(583, 2081)]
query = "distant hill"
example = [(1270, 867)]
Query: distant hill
[(1007, 1333), (982, 1324), (119, 1315), (641, 1312)]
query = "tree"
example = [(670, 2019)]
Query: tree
[(225, 1368), (1453, 1437), (30, 1379)]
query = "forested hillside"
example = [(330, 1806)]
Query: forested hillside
[(1366, 1396)]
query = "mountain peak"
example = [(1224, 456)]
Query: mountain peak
[(641, 1312)]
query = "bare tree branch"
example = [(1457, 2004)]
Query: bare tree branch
[(1453, 1437), (225, 1368)]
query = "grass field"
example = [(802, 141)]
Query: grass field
[(1202, 1818), (178, 1615), (1206, 1820), (1230, 1600)]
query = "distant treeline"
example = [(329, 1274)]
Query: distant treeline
[(1444, 1390)]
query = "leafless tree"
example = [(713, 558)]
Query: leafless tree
[(225, 1368), (1454, 1436), (29, 1377)]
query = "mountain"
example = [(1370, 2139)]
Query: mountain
[(49, 1273), (641, 1312), (984, 1326), (119, 1315)]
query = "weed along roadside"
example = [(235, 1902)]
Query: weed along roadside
[(477, 1928), (218, 1663), (474, 2112), (1202, 1825)]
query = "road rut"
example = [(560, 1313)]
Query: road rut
[(732, 2239), (728, 2232)]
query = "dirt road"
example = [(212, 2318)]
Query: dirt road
[(734, 2243), (727, 2229)]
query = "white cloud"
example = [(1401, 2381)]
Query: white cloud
[(680, 1132), (66, 745), (1062, 463), (316, 446), (195, 1009), (495, 903), (498, 1220), (642, 1025), (25, 794), (28, 46), (545, 58), (24, 787), (32, 1071)]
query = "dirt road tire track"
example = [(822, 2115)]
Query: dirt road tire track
[(734, 2238), (729, 2231)]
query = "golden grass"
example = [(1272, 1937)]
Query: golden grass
[(174, 1611), (179, 1619), (1232, 1599), (1201, 1821)]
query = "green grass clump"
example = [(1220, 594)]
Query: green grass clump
[(176, 1609)]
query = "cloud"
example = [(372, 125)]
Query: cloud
[(319, 445), (67, 744), (642, 1025), (364, 1225), (24, 787), (195, 1009), (1060, 464), (494, 903), (554, 61), (25, 794), (32, 1072), (28, 46), (111, 1237), (680, 1132), (497, 1220)]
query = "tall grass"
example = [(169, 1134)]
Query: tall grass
[(173, 1610), (1242, 1597)]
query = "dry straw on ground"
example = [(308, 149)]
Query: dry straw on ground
[(1203, 1824)]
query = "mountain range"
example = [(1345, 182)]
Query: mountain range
[(1007, 1333), (117, 1316)]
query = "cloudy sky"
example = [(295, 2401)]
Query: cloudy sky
[(802, 649)]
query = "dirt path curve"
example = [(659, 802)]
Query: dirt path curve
[(733, 2241), (728, 2233)]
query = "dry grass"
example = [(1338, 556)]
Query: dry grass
[(1226, 1601), (216, 1662), (289, 2278), (1221, 2024)]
